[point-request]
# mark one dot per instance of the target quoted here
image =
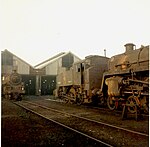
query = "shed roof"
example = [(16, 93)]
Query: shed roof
[(6, 51), (53, 59)]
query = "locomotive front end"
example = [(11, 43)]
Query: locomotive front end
[(128, 76), (12, 86)]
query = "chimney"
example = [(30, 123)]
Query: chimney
[(129, 46), (105, 52)]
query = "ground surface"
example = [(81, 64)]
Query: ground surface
[(21, 128)]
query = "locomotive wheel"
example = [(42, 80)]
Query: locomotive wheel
[(72, 95), (66, 100), (72, 98), (132, 102), (79, 100), (19, 98), (144, 104), (111, 103)]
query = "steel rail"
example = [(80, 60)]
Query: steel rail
[(96, 107), (47, 118), (91, 120)]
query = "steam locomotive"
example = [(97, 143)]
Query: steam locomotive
[(122, 79), (79, 82), (12, 86), (128, 79)]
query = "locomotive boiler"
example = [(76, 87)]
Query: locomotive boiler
[(82, 80), (12, 86), (127, 79)]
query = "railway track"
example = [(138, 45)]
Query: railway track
[(98, 108), (90, 128), (42, 112)]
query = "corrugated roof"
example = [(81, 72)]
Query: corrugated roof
[(52, 59)]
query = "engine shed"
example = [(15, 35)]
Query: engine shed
[(10, 62), (39, 79), (46, 82)]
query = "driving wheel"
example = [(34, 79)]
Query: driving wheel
[(111, 103)]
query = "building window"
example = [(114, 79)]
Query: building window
[(67, 60), (7, 59)]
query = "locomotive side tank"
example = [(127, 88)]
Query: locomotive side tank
[(78, 83), (12, 86), (128, 78)]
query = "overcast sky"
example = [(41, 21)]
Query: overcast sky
[(36, 30)]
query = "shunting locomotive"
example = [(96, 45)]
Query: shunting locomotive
[(78, 83), (12, 86)]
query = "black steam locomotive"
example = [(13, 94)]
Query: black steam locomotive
[(12, 86), (128, 78)]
